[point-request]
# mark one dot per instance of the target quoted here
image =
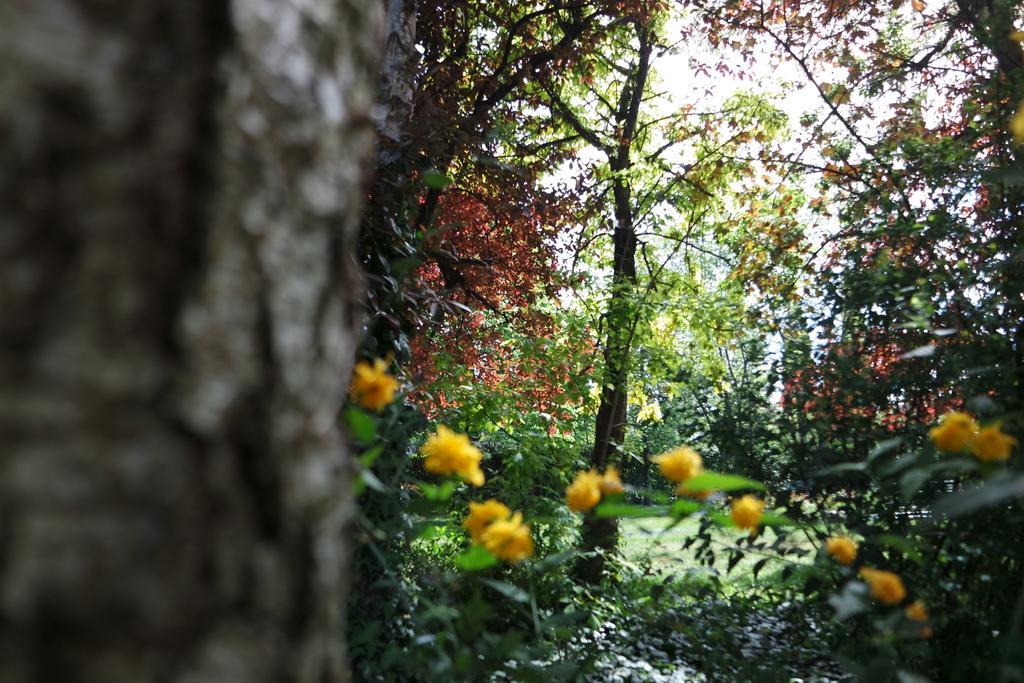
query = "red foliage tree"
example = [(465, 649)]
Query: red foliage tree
[(865, 385), (493, 249)]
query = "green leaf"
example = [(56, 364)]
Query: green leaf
[(800, 575), (759, 565), (426, 508), (883, 447), (843, 467), (475, 559), (682, 508), (899, 464), (369, 457), (912, 481), (956, 465), (564, 619), (721, 518), (901, 544), (438, 492), (428, 531), (436, 180), (507, 589), (996, 491), (772, 519), (716, 481), (651, 494), (612, 509), (362, 426), (402, 266), (552, 561)]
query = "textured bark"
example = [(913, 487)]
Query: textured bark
[(179, 191), (397, 78)]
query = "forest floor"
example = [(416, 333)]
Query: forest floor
[(646, 540), (726, 634)]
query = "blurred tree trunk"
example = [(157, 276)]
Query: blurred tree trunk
[(179, 189)]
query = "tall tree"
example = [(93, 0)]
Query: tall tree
[(669, 174), (620, 316), (455, 77), (179, 197)]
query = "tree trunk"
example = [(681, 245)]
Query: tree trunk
[(601, 534), (397, 79), (179, 189)]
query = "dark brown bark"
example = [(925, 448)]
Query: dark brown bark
[(178, 197), (600, 536)]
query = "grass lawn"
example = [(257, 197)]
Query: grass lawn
[(646, 540)]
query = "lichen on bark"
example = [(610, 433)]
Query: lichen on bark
[(177, 214)]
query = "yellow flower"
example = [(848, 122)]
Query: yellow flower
[(482, 514), (886, 587), (680, 464), (992, 444), (451, 453), (610, 482), (584, 492), (747, 512), (508, 539), (1017, 124), (842, 548), (916, 611), (372, 387), (954, 432)]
